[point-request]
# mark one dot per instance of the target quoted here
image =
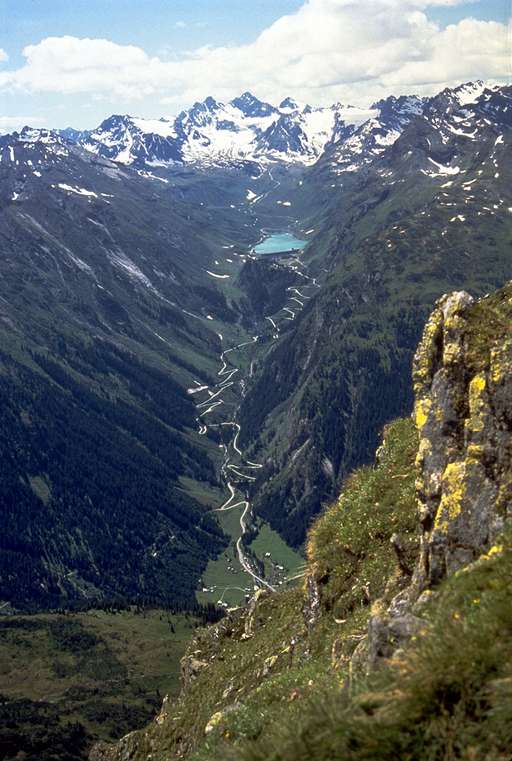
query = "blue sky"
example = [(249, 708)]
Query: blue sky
[(163, 54), (148, 23)]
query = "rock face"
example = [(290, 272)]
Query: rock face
[(463, 414)]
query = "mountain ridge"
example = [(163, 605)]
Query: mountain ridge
[(246, 129)]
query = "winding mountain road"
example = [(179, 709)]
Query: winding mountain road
[(231, 470), (234, 467)]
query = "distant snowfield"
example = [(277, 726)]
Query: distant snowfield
[(161, 127)]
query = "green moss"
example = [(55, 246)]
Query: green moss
[(350, 543), (489, 327)]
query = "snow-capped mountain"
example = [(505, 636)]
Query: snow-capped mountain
[(213, 133), (463, 111), (247, 129), (128, 140), (371, 138)]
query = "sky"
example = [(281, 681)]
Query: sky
[(75, 62)]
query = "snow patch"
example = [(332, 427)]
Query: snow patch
[(213, 274), (78, 191), (442, 170)]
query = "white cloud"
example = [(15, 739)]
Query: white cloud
[(180, 25), (9, 123), (350, 50), (3, 55), (71, 65), (462, 51)]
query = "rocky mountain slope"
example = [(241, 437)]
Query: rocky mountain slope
[(408, 571), (431, 212)]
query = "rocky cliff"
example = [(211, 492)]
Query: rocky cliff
[(462, 378), (398, 643)]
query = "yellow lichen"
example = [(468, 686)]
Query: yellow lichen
[(494, 552), (453, 323), (214, 722), (504, 498), (453, 494), (424, 449), (438, 412), (475, 453), (477, 385), (422, 409), (477, 403), (378, 608), (451, 352), (500, 364), (423, 359), (496, 549)]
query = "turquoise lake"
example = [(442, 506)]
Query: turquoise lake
[(279, 242)]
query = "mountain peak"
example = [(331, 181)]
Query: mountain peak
[(211, 103), (469, 92), (250, 105), (289, 104), (248, 97), (39, 135), (115, 120)]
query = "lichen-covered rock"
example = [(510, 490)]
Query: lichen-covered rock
[(463, 413), (190, 668), (463, 409), (163, 714), (218, 719), (388, 632)]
